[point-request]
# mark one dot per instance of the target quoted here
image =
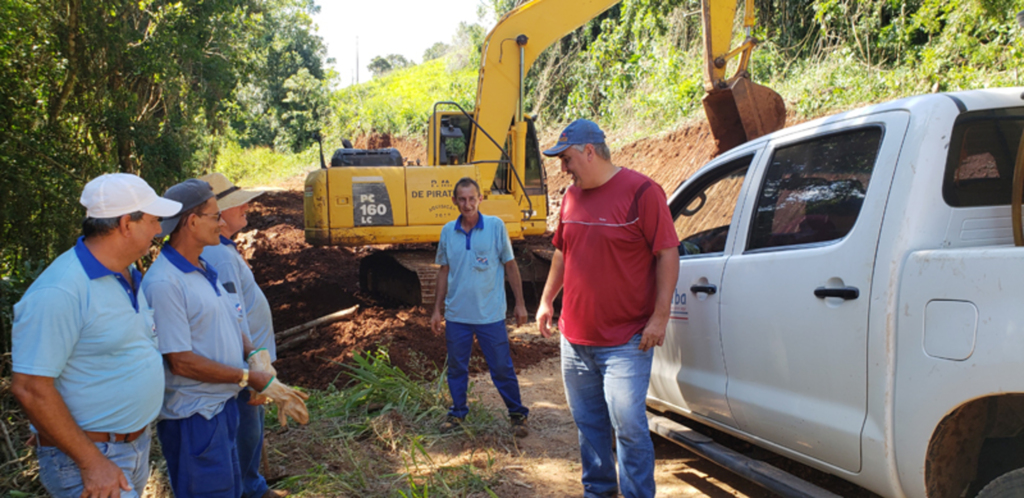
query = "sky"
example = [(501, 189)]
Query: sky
[(383, 27)]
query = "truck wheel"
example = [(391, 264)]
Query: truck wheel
[(1010, 484)]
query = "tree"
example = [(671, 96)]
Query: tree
[(280, 44), (141, 86), (468, 43), (436, 51), (308, 109), (380, 66)]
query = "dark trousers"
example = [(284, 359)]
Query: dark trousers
[(493, 339), (202, 455)]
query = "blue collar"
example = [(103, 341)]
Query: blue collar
[(227, 242), (479, 226), (94, 270), (479, 223), (183, 264)]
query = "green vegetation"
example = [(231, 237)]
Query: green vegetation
[(639, 65), (400, 102), (373, 437), (255, 166), (155, 88)]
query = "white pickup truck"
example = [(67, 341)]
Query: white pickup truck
[(850, 296)]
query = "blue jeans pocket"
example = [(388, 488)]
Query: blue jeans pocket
[(58, 473), (209, 471)]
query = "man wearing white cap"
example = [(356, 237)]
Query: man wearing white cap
[(86, 366), (237, 278)]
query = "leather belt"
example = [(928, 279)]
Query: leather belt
[(98, 437)]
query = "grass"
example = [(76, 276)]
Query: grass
[(401, 102), (262, 165), (379, 437)]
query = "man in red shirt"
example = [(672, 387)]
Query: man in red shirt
[(617, 257)]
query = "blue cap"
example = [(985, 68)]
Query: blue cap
[(581, 131)]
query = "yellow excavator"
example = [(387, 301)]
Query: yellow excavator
[(370, 197)]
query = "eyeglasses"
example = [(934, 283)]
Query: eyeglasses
[(216, 215)]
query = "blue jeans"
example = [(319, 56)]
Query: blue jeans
[(493, 339), (202, 455), (250, 446), (62, 479), (606, 388)]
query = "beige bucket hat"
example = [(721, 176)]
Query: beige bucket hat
[(228, 194)]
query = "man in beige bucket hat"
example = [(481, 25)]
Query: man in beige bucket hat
[(237, 277)]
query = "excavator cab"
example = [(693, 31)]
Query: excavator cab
[(448, 143), (738, 110)]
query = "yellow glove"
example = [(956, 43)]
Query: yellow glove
[(290, 403), (260, 360)]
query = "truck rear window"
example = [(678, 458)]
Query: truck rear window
[(982, 154)]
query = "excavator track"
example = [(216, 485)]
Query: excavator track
[(410, 275)]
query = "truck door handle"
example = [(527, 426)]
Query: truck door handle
[(840, 292), (707, 289)]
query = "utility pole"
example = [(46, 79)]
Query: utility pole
[(357, 60)]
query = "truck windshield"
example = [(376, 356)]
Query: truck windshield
[(982, 154)]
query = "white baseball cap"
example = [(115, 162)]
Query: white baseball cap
[(117, 194)]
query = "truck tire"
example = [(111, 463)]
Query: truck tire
[(1010, 484)]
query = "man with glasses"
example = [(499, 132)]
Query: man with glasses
[(86, 366), (203, 336), (237, 278)]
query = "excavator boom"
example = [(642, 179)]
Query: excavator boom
[(508, 53)]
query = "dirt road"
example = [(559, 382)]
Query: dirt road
[(547, 462)]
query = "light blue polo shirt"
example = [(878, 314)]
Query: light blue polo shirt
[(237, 278), (193, 312), (476, 270), (92, 332)]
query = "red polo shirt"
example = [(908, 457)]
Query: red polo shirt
[(609, 236)]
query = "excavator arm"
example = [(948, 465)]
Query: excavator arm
[(737, 109)]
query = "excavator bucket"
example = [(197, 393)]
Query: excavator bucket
[(743, 111)]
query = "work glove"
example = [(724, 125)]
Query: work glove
[(290, 403), (260, 360)]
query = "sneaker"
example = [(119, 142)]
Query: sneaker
[(519, 428), (450, 424)]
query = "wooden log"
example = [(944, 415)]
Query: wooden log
[(333, 317), (291, 344)]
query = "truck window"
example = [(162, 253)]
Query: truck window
[(982, 154), (813, 190), (702, 219)]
